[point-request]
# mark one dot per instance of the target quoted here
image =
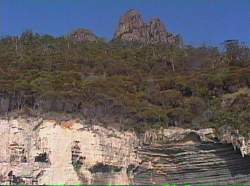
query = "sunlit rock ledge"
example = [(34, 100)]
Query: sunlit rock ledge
[(35, 150)]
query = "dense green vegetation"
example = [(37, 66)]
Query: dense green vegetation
[(140, 86)]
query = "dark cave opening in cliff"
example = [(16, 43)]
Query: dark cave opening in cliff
[(100, 167), (42, 157)]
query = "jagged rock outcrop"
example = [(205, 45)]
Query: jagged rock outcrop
[(49, 151), (232, 136), (132, 28), (83, 35)]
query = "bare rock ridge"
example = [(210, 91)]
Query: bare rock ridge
[(132, 28)]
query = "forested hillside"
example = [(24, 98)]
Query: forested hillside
[(135, 84)]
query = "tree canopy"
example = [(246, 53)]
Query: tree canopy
[(142, 85)]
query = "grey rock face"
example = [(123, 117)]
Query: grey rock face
[(132, 28), (196, 164)]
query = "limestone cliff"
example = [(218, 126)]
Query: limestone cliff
[(132, 28), (50, 152), (38, 150)]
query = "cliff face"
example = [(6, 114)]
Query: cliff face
[(47, 152), (133, 28), (42, 151)]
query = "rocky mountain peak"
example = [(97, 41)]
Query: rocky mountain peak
[(132, 19), (83, 35), (133, 28), (157, 25)]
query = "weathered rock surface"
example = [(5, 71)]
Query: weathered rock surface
[(204, 163), (132, 28), (42, 151), (232, 136), (83, 35), (48, 152)]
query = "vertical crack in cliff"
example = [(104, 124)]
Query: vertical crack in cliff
[(78, 161)]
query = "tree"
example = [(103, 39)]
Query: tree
[(236, 52), (173, 54)]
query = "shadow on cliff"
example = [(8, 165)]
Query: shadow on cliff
[(233, 161)]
